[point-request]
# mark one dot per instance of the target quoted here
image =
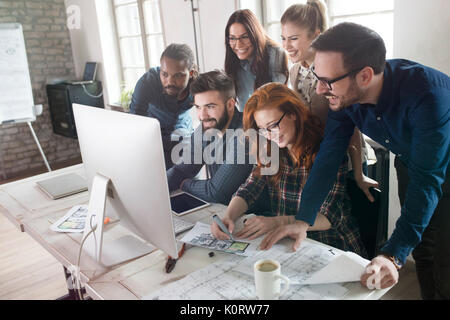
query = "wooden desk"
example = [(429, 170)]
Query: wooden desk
[(22, 199), (33, 212), (137, 278), (143, 276)]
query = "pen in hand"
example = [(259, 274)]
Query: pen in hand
[(222, 226)]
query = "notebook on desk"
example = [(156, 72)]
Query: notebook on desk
[(62, 186)]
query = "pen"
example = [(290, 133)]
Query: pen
[(222, 226)]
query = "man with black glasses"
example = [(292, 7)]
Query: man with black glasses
[(404, 106)]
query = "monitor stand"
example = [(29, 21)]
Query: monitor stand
[(107, 253)]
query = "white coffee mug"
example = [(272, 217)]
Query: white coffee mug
[(268, 279)]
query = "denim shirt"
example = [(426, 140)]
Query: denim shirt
[(245, 82), (149, 100), (412, 120)]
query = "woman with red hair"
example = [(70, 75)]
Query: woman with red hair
[(279, 115)]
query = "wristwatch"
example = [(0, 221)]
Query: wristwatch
[(396, 261)]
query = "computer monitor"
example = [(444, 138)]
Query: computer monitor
[(90, 70), (124, 162)]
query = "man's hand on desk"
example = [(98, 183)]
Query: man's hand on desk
[(381, 273), (296, 231)]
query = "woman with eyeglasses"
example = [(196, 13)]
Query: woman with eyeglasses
[(280, 116), (300, 25), (252, 58)]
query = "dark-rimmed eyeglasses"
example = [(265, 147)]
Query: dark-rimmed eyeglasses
[(244, 39), (328, 83), (274, 127)]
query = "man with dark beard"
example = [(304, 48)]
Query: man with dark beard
[(215, 102), (404, 106), (163, 93)]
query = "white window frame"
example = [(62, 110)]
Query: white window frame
[(143, 35), (331, 17), (259, 8), (263, 16), (267, 24)]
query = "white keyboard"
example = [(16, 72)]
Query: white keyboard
[(180, 225)]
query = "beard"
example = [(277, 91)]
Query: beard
[(338, 103), (217, 124), (172, 90)]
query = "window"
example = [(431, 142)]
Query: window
[(376, 15), (140, 37), (273, 10), (253, 5), (269, 13)]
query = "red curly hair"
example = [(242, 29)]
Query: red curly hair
[(308, 127)]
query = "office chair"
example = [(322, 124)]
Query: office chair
[(369, 216)]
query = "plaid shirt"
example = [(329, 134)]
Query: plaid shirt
[(285, 197)]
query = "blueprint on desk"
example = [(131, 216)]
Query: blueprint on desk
[(232, 278)]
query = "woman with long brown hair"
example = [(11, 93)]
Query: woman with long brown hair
[(300, 25), (252, 58), (280, 116)]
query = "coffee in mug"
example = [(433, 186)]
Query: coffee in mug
[(268, 279), (267, 266)]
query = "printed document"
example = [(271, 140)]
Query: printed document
[(72, 221), (201, 236), (232, 278)]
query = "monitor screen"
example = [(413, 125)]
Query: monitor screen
[(89, 71)]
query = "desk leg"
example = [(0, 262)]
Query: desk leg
[(72, 293)]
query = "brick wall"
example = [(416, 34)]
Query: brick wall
[(49, 56)]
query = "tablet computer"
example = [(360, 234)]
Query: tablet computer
[(183, 203)]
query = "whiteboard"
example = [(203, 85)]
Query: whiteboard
[(16, 95)]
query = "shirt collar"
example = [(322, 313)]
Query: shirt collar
[(246, 64), (236, 121), (386, 96), (387, 92), (306, 67)]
